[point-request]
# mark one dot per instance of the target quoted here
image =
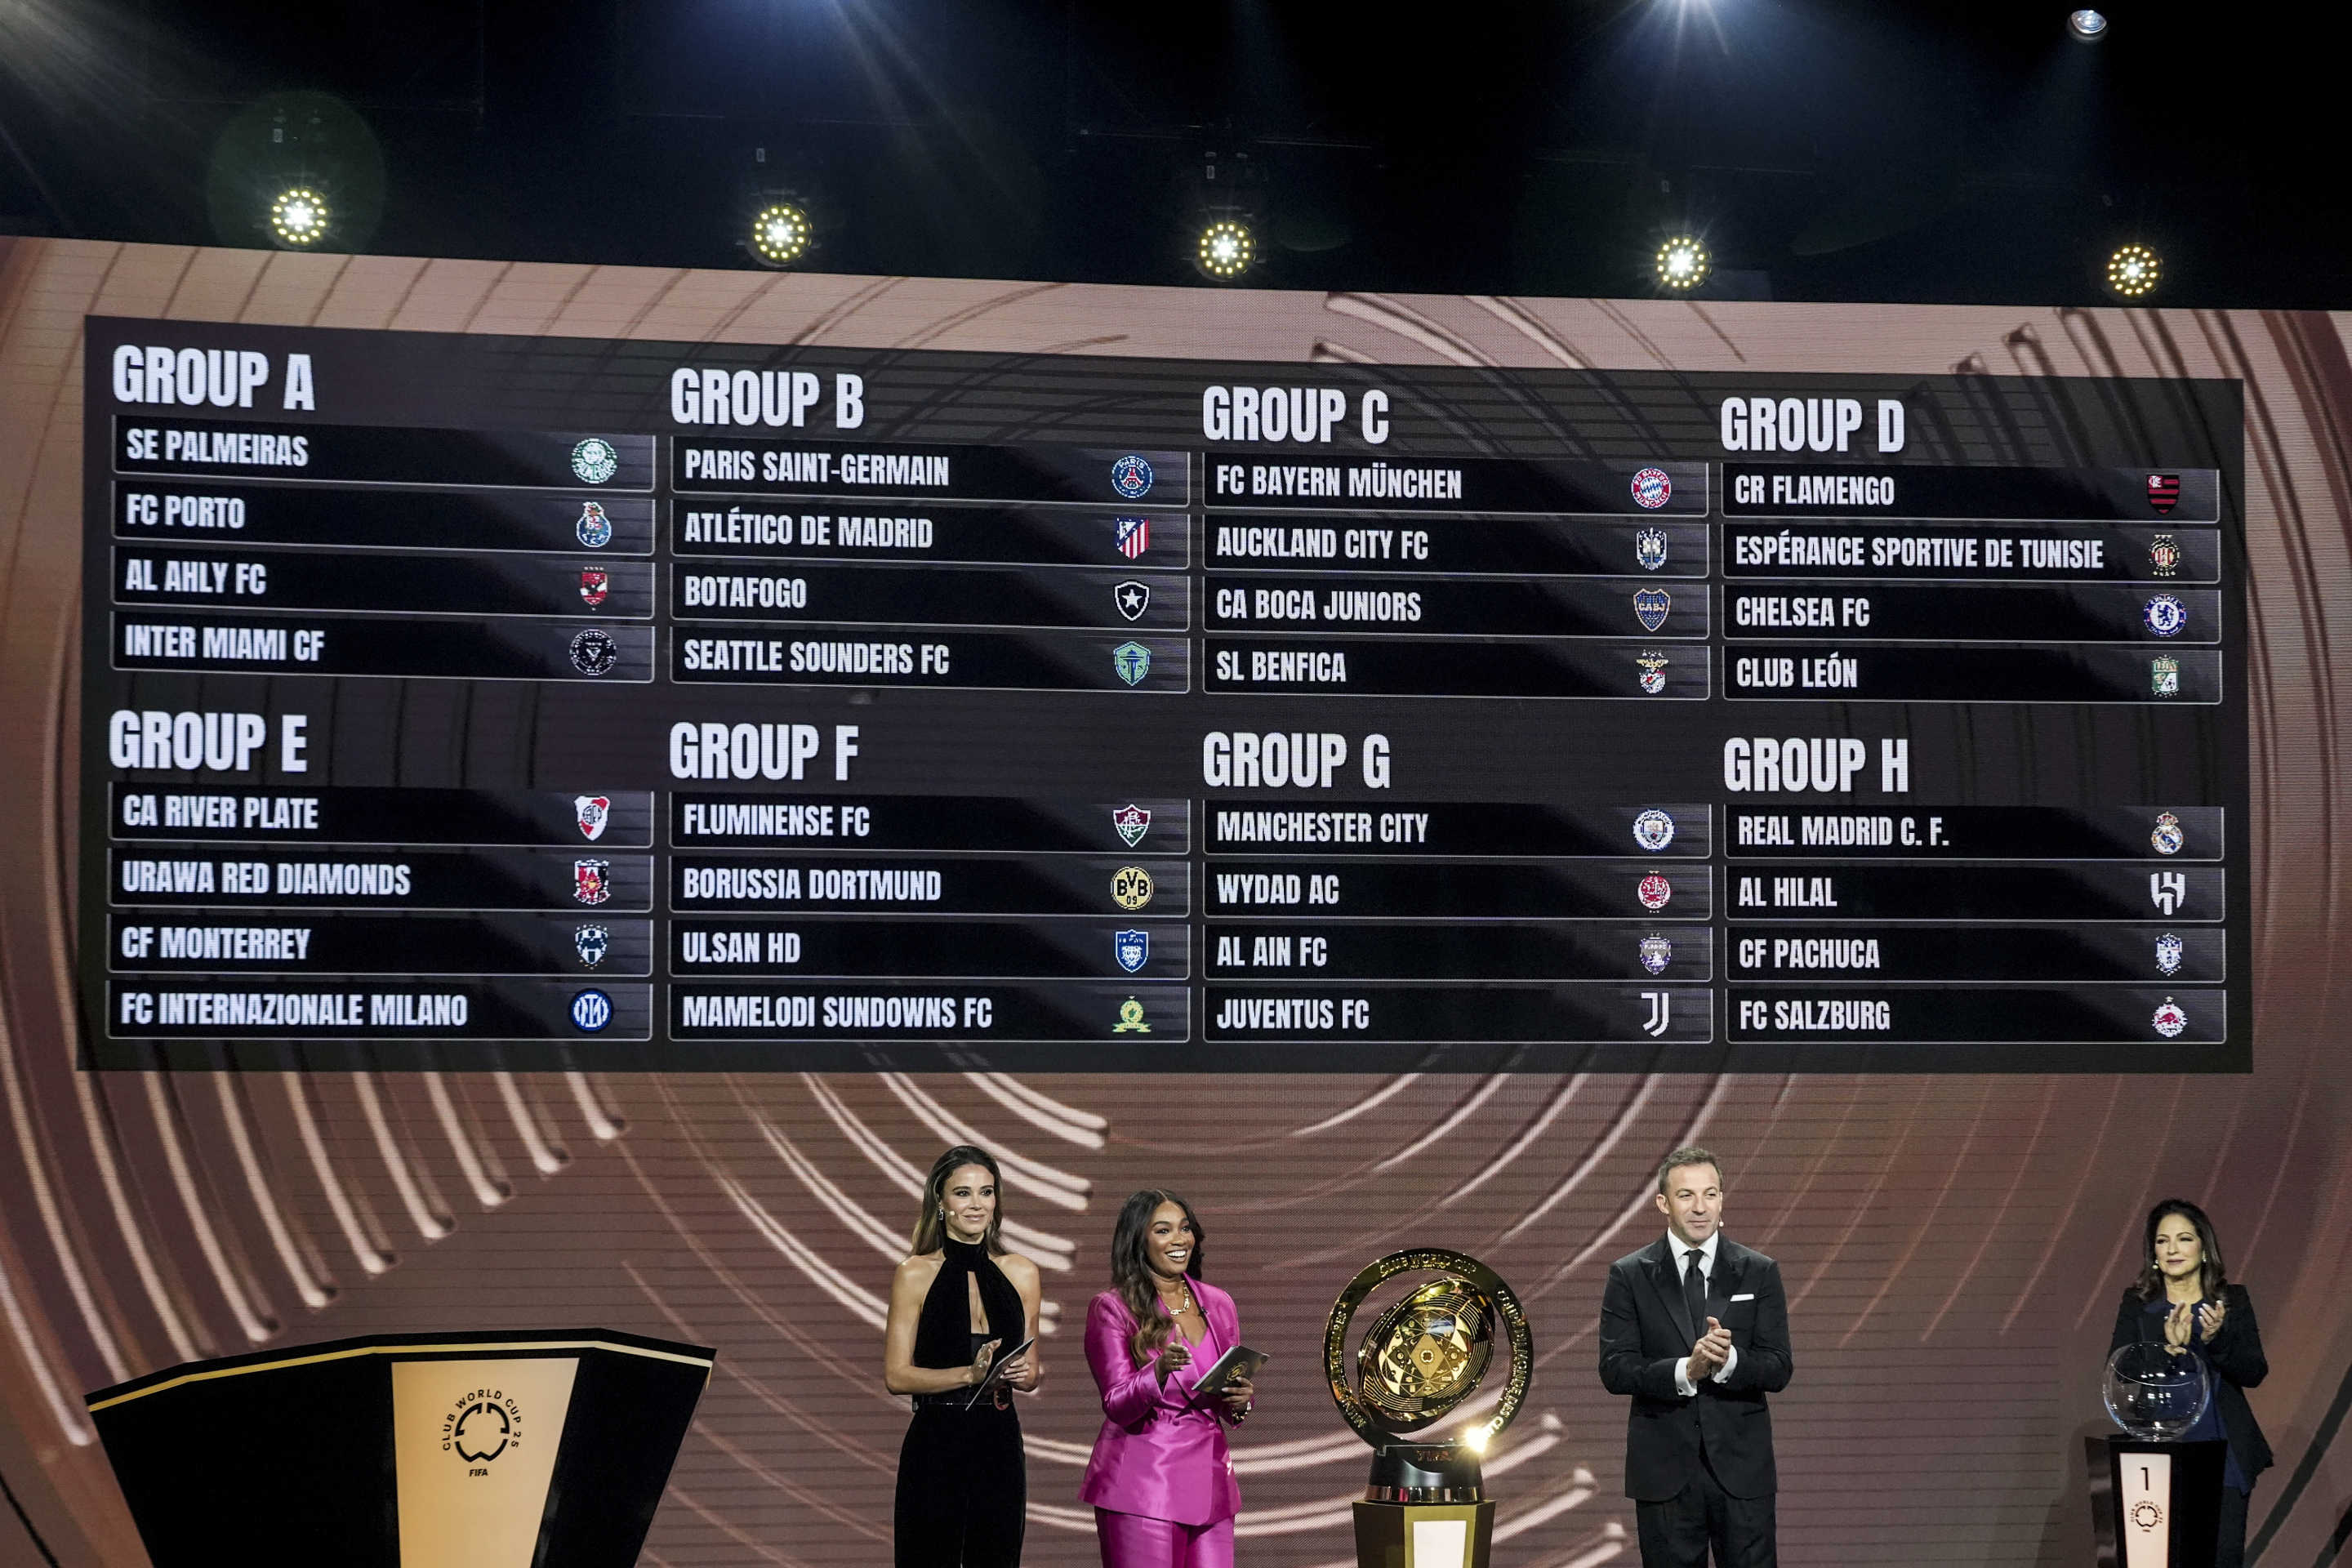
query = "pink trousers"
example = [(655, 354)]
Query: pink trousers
[(1131, 1541)]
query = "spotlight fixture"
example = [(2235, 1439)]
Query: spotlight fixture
[(1683, 263), (2134, 270), (297, 218), (1226, 249), (2088, 25), (780, 234)]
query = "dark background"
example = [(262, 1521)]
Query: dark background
[(1829, 149)]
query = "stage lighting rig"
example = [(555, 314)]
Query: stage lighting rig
[(1226, 249), (1683, 263), (2133, 271), (780, 234), (2088, 25), (298, 218)]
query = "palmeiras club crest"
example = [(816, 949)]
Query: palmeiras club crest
[(1132, 948), (589, 885), (1651, 488), (595, 584), (592, 812), (2169, 1019), (595, 460), (1132, 535), (1650, 607), (1656, 953), (2164, 492), (1132, 821), (1653, 671), (2168, 949), (1654, 892), (1132, 477), (594, 529), (1650, 548)]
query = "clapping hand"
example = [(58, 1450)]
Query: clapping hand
[(2208, 1318), (1708, 1356), (979, 1363), (2176, 1326)]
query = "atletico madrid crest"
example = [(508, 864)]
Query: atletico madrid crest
[(1133, 536)]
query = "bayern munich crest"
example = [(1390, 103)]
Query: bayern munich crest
[(1654, 892), (2168, 949), (1654, 830), (592, 812), (594, 529), (1656, 953), (1650, 607), (1651, 488), (2166, 615), (2169, 1019), (2168, 835), (1650, 548), (1132, 477), (595, 460)]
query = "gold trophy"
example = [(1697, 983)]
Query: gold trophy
[(1423, 1359)]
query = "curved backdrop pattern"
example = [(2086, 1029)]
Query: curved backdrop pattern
[(1953, 1244)]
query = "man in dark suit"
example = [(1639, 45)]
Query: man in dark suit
[(1695, 1328)]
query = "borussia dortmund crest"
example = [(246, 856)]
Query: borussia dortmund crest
[(1131, 887)]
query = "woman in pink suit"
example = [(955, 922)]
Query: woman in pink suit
[(1160, 1480)]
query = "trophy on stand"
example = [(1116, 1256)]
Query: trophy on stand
[(1423, 1358)]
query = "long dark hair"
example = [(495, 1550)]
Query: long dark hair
[(930, 1229), (1130, 1274), (2211, 1276)]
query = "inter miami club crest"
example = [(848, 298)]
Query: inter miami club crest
[(1131, 887), (1654, 830), (592, 812), (1650, 548), (1656, 953), (1654, 892), (2164, 555), (2169, 1019), (1132, 535), (1653, 671), (595, 460), (591, 1011), (1132, 821), (1650, 607), (1132, 598), (2168, 949), (1651, 488), (2168, 837), (1132, 948), (2166, 615), (590, 942), (1132, 477), (594, 529), (1133, 662), (2164, 492), (594, 652), (595, 584), (589, 885), (2164, 675)]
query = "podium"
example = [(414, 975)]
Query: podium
[(533, 1450), (2164, 1502)]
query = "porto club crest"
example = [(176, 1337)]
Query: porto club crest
[(1651, 488), (1132, 477), (594, 529)]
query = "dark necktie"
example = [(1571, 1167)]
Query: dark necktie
[(1695, 1291)]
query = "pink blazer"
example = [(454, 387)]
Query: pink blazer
[(1157, 1455)]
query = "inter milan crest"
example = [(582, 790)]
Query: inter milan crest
[(595, 460), (1654, 830), (2169, 1019), (594, 530), (2166, 615), (1132, 477), (2168, 949), (1132, 821), (595, 584), (1651, 488), (589, 885), (1650, 607), (1650, 548), (1656, 953), (590, 942), (1653, 671), (1132, 598), (2168, 836), (1132, 535), (594, 653), (1132, 660), (1131, 949), (2164, 675), (2164, 555), (1654, 892), (592, 812), (2164, 492), (591, 1011)]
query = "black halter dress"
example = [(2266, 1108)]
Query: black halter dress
[(963, 1492)]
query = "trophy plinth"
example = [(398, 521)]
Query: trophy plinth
[(1420, 1472)]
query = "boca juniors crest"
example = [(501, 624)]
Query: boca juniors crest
[(1653, 671), (1132, 535), (1132, 948), (592, 812), (1656, 953), (595, 584), (1650, 548), (1132, 477), (1654, 892), (1651, 488), (1132, 821), (594, 529), (1650, 607), (589, 885), (2168, 949)]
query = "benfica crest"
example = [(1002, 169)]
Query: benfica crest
[(1653, 672)]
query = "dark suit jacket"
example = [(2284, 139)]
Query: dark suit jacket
[(2236, 1357), (1646, 1330)]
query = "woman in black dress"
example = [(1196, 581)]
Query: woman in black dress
[(2184, 1301), (964, 1494)]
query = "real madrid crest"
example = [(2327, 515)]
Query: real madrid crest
[(2168, 836)]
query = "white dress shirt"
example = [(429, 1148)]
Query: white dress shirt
[(1681, 1251)]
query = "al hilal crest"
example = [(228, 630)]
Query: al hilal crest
[(1655, 892), (2168, 836), (594, 529), (2167, 953), (1132, 535), (591, 1011), (595, 460), (2166, 615), (589, 942), (2170, 1018), (1133, 662), (1654, 830), (2164, 675), (2164, 554), (1132, 477), (1656, 953), (588, 883), (1651, 488), (1132, 821), (1653, 671), (1650, 607), (595, 584), (1132, 598), (592, 812), (2164, 492), (594, 652), (1650, 548), (1132, 948)]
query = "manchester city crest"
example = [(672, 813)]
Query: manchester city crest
[(1130, 948), (589, 885), (1132, 660), (1132, 535), (2166, 615), (2164, 675), (592, 812), (1656, 953), (1132, 598), (2168, 837), (591, 1011), (590, 942), (1651, 488), (1132, 821), (595, 584), (1132, 477), (1650, 548), (1131, 887), (1653, 671), (595, 460), (1654, 830), (1650, 607), (2164, 555), (594, 652), (1654, 892), (2169, 1019), (594, 530), (2168, 949)]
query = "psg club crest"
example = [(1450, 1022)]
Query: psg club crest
[(1132, 535), (2169, 1019), (595, 584), (2164, 675), (1132, 948), (1654, 830), (1656, 953), (1133, 662), (1654, 892), (1132, 598), (595, 460), (2168, 836), (594, 529), (1651, 488), (1132, 821), (592, 812), (2166, 615), (1132, 477), (2167, 953), (1650, 607), (591, 1011), (589, 885), (2164, 554), (1650, 548), (590, 942), (2164, 492), (594, 652), (1653, 671)]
